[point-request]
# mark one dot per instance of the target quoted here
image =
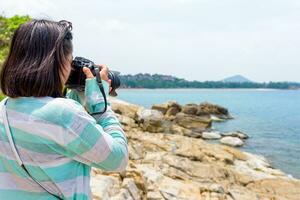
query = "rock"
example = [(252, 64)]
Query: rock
[(176, 189), (212, 109), (154, 195), (172, 111), (216, 188), (232, 141), (135, 151), (193, 122), (237, 193), (174, 104), (216, 119), (129, 184), (124, 108), (190, 109), (276, 188), (149, 114), (193, 134), (161, 107), (236, 153), (172, 164), (123, 194), (179, 130), (103, 187), (252, 174), (238, 134), (153, 126), (211, 135), (127, 121), (151, 175), (185, 169), (169, 108), (257, 162), (151, 120)]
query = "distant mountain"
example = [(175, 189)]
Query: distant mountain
[(236, 79)]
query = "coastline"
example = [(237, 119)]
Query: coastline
[(168, 161), (267, 116)]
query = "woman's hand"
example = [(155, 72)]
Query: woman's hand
[(103, 73)]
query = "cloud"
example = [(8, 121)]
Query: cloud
[(194, 39), (36, 8)]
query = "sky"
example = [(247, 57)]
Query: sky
[(192, 39)]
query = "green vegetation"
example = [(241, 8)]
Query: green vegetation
[(7, 28), (163, 81)]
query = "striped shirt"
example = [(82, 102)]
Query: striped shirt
[(59, 142)]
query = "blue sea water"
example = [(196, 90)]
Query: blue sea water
[(270, 117)]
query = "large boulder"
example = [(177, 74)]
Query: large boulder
[(190, 109), (192, 122), (212, 109), (149, 114), (169, 108), (150, 120)]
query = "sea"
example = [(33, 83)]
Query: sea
[(270, 117)]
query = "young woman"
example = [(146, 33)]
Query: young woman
[(48, 143)]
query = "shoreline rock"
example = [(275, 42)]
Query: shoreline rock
[(211, 135), (232, 141), (176, 163)]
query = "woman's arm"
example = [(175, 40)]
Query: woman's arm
[(100, 140)]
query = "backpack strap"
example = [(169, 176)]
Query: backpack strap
[(14, 149)]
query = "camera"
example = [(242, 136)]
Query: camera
[(77, 78)]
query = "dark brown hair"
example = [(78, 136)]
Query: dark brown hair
[(38, 54)]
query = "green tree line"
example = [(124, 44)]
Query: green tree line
[(163, 81)]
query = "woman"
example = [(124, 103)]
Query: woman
[(50, 143)]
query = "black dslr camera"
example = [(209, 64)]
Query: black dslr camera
[(77, 78)]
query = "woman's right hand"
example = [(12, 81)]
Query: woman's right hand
[(103, 73)]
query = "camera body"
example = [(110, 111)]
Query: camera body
[(77, 78)]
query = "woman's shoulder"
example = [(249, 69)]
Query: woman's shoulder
[(60, 111), (51, 110), (66, 105)]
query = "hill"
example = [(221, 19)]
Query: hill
[(236, 79)]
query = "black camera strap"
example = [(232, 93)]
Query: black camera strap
[(101, 89), (15, 151)]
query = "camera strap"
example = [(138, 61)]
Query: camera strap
[(101, 89), (15, 151)]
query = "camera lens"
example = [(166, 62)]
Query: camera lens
[(115, 82)]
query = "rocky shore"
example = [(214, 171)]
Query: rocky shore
[(170, 158)]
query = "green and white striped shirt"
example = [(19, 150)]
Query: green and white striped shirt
[(59, 142)]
